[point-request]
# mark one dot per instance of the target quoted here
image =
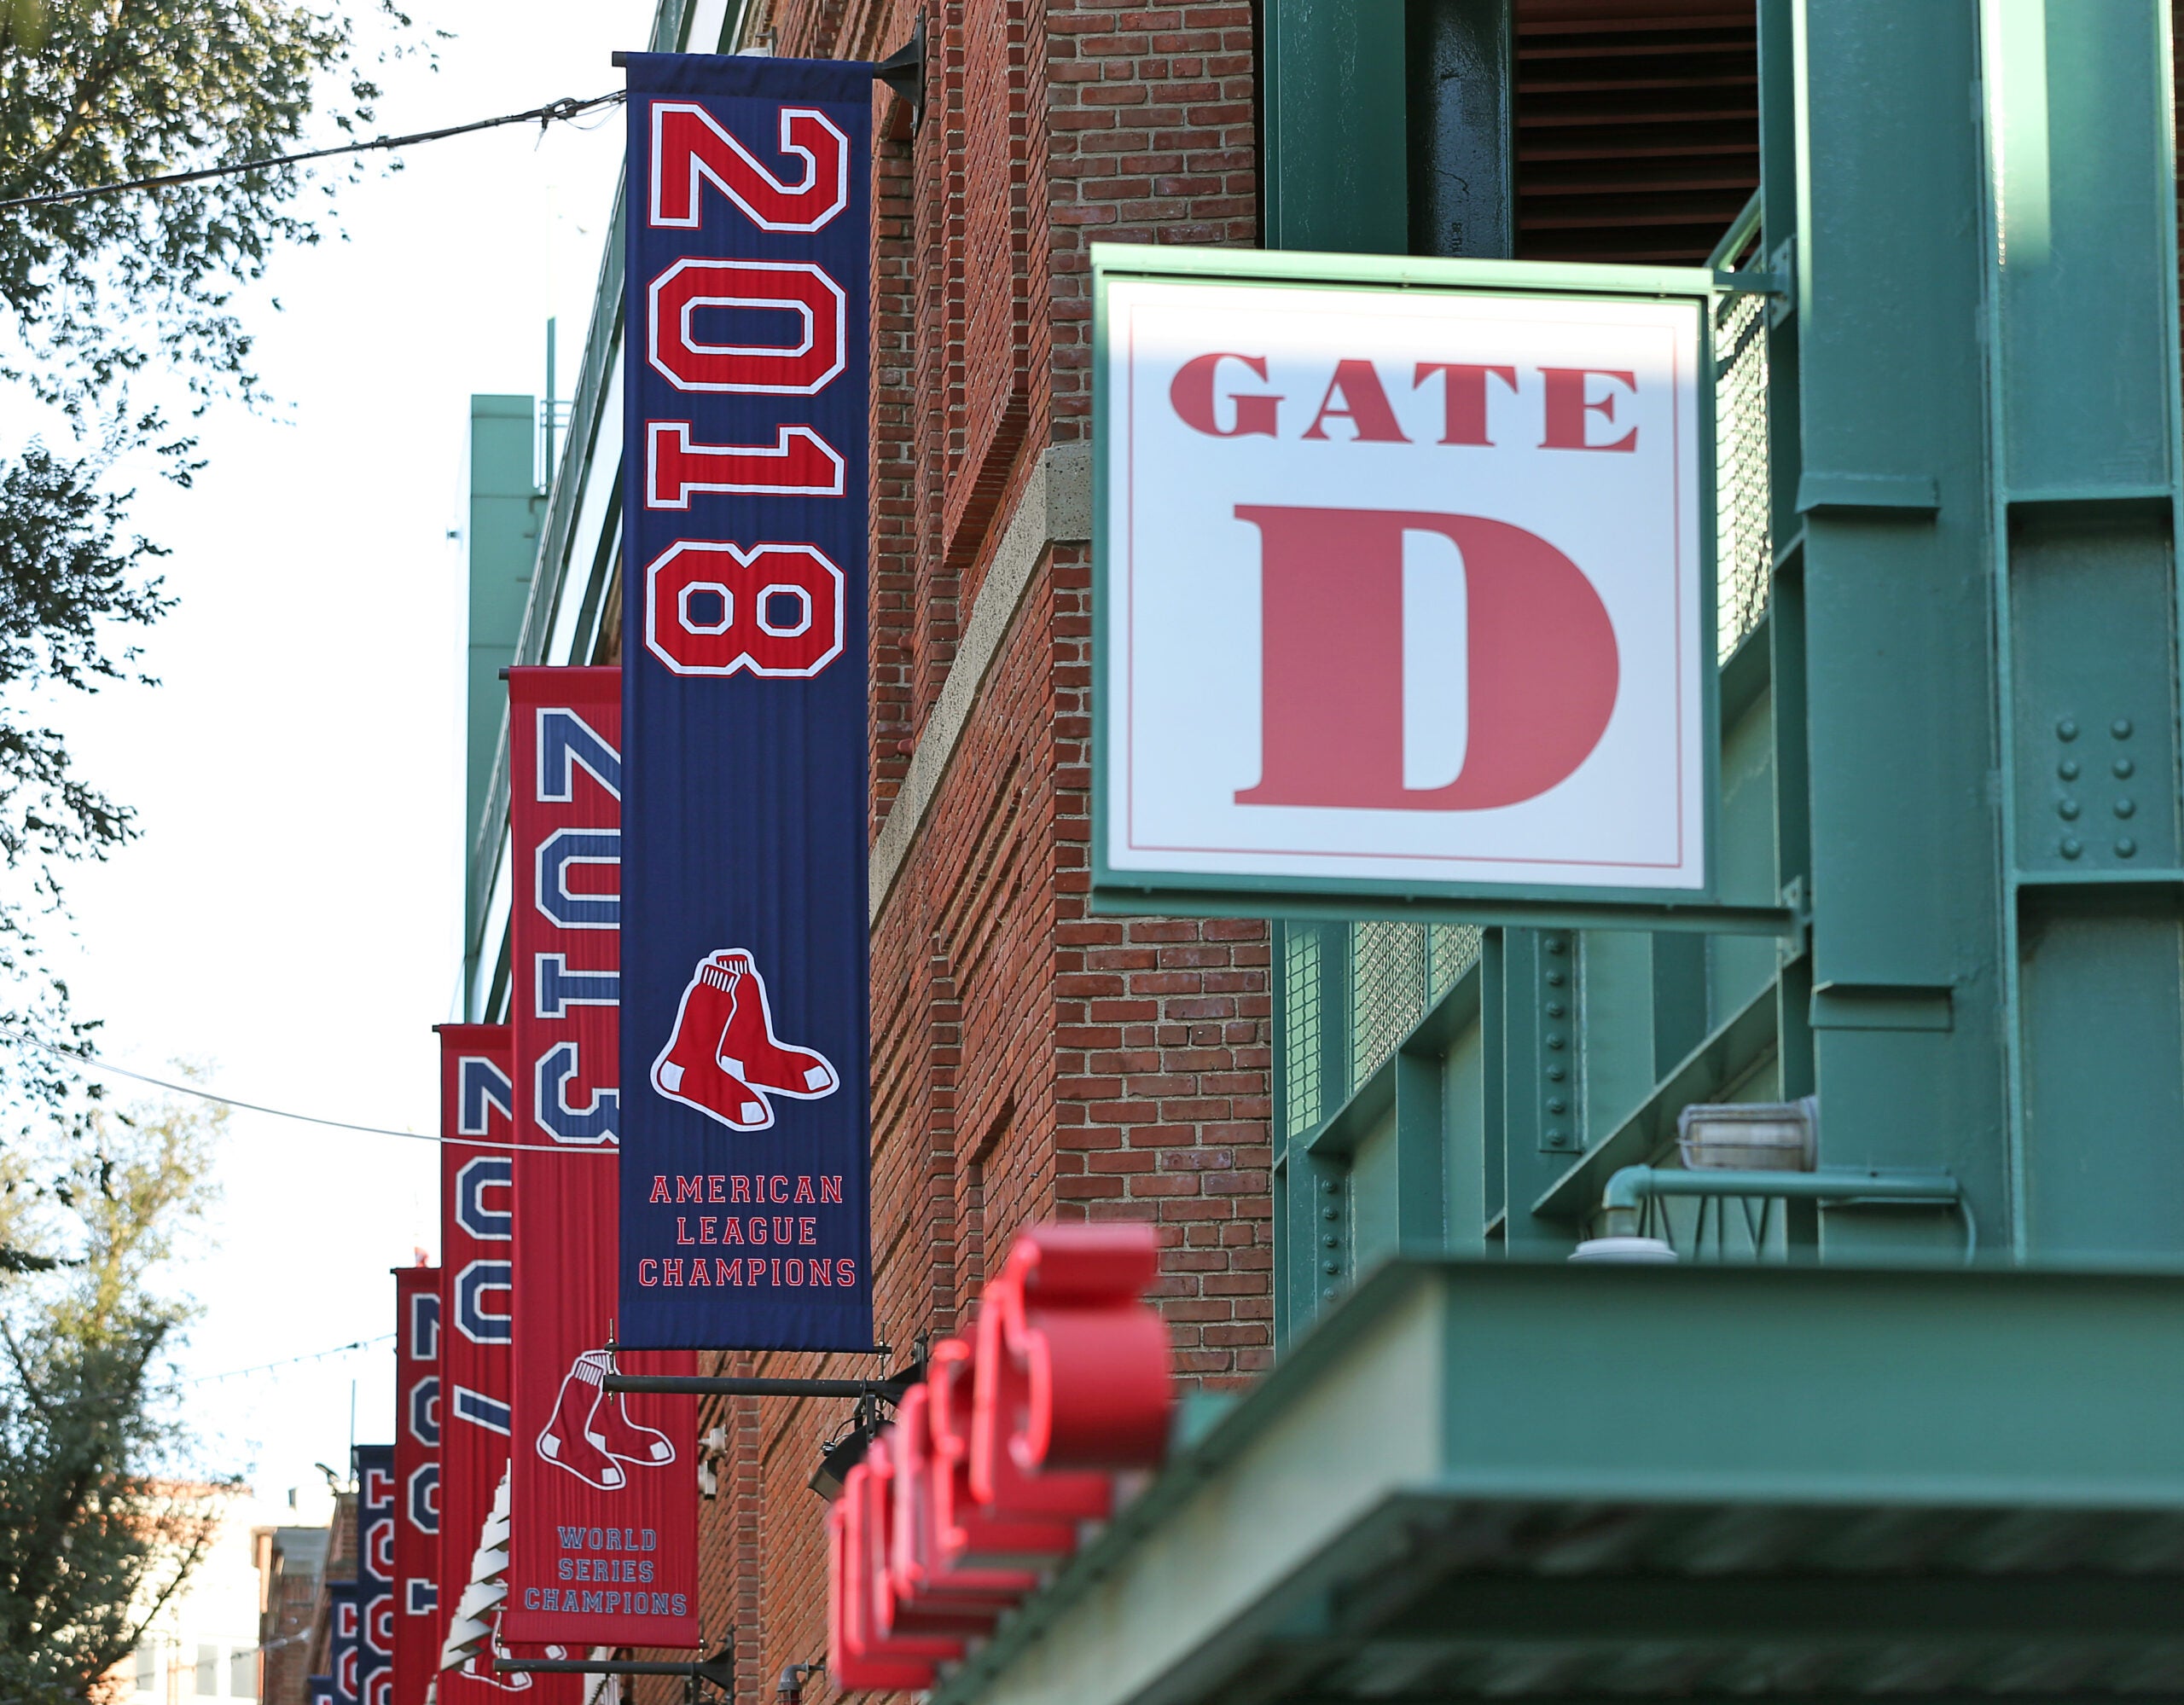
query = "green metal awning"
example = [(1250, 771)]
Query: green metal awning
[(1553, 1481)]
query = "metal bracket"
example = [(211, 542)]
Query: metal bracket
[(1750, 281), (903, 72), (1782, 301), (889, 1390), (719, 1669)]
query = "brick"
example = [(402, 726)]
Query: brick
[(1029, 1061)]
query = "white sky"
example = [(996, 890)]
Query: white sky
[(290, 918)]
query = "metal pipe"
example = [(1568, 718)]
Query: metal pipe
[(705, 1671), (690, 1385), (1630, 1189)]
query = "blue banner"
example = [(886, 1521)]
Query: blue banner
[(375, 1469), (746, 1102), (344, 1638)]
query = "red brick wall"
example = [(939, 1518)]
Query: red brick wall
[(1028, 1061)]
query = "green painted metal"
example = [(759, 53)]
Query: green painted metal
[(1332, 159), (1966, 664), (1460, 73), (502, 536), (1901, 736), (559, 555), (2082, 366), (1630, 1189), (1715, 1466)]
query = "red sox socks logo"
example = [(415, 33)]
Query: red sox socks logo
[(590, 1434), (725, 1059)]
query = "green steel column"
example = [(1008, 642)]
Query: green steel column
[(1311, 1011), (2081, 263), (1899, 610), (1543, 1090), (1786, 620), (1332, 108), (503, 539), (1462, 87)]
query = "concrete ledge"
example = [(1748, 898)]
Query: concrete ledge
[(1056, 508)]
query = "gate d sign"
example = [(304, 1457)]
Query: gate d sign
[(1403, 583)]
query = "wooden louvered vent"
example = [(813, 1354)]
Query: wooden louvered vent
[(1637, 127)]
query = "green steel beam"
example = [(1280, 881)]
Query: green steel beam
[(2081, 365), (1799, 1609), (1986, 1431), (503, 546), (1542, 1066), (1461, 72), (1898, 600), (1333, 158)]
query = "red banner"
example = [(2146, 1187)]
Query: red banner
[(477, 1245), (417, 1620), (603, 1514)]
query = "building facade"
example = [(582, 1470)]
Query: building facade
[(1944, 236), (220, 1637), (291, 1564)]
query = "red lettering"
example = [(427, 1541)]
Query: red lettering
[(792, 1272), (671, 1271), (715, 608), (800, 463), (683, 1231), (804, 1188), (1463, 397), (806, 362), (784, 1229), (807, 1229), (757, 1228), (845, 1269), (709, 1229), (1543, 661), (830, 1188), (731, 1230), (647, 1272), (689, 1190), (689, 148), (1566, 407), (660, 1192), (728, 1271), (1191, 395), (713, 1190), (822, 1270), (700, 1273), (739, 1188), (1365, 406)]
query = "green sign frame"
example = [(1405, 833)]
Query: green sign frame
[(1190, 893)]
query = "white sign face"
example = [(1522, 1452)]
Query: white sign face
[(1403, 585)]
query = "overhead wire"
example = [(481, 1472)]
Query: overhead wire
[(554, 111), (87, 1062), (291, 1361)]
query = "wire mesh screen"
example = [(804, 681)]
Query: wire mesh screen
[(1397, 972), (1451, 950), (1301, 1017), (1743, 546), (1387, 982)]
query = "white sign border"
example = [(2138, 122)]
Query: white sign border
[(1249, 893)]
